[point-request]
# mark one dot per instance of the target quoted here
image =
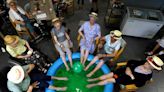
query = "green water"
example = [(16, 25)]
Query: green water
[(77, 81)]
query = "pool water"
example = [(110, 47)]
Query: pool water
[(77, 81)]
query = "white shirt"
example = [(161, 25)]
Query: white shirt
[(15, 16), (111, 47)]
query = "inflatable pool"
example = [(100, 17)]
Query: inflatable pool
[(52, 71)]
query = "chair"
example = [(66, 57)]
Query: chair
[(79, 36), (23, 31), (123, 45), (130, 87)]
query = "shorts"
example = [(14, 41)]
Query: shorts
[(66, 47), (105, 59), (41, 78)]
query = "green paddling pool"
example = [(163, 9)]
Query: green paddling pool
[(77, 81)]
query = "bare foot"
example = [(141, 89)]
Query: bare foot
[(90, 85), (67, 68), (61, 88), (85, 69), (89, 75)]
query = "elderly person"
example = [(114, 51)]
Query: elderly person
[(20, 81), (20, 17), (135, 72), (62, 41), (20, 49), (156, 48), (110, 49), (90, 32)]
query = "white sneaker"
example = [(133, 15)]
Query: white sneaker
[(3, 50)]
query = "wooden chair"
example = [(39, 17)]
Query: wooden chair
[(130, 87), (123, 45), (23, 31)]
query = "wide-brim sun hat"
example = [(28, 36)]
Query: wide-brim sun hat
[(94, 15), (116, 34), (155, 62), (9, 39), (55, 20), (16, 74)]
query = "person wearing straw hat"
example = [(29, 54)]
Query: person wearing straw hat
[(90, 32), (110, 49), (135, 72), (20, 17), (21, 79), (20, 50), (62, 41)]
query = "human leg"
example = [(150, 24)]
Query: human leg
[(59, 78), (85, 56), (103, 77), (103, 82), (62, 55), (31, 29), (57, 88), (92, 62), (96, 68), (68, 51), (82, 55)]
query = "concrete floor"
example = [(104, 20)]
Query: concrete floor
[(134, 50)]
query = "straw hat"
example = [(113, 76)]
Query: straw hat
[(155, 62), (116, 33), (9, 39), (10, 1), (94, 15), (16, 74), (55, 20)]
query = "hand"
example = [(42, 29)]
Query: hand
[(35, 84), (100, 46), (22, 22), (129, 73), (31, 49), (150, 53), (100, 55), (62, 47)]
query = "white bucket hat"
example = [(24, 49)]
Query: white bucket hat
[(16, 74), (155, 62), (116, 34)]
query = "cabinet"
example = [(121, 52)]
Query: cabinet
[(140, 22)]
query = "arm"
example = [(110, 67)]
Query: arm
[(28, 46), (55, 38), (19, 22), (67, 36), (112, 55), (80, 31), (155, 48), (129, 73), (30, 88)]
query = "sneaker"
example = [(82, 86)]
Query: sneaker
[(3, 50)]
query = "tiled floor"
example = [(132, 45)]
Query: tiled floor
[(134, 50)]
